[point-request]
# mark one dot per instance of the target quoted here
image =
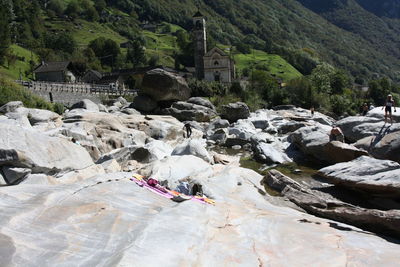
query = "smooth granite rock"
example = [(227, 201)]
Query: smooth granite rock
[(366, 173), (235, 111), (193, 147), (202, 102), (161, 85), (185, 111), (20, 147), (268, 153), (11, 106), (108, 220), (86, 104), (382, 147), (15, 175), (323, 204), (144, 103)]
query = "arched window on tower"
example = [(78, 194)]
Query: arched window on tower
[(199, 25), (216, 63)]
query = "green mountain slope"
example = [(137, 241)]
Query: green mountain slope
[(290, 25), (352, 34)]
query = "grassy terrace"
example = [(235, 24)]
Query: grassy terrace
[(21, 64)]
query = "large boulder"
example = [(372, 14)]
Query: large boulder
[(103, 131), (357, 127), (268, 153), (336, 152), (26, 148), (201, 102), (235, 111), (144, 103), (14, 175), (161, 85), (185, 111), (314, 141), (311, 140), (11, 106), (86, 104), (193, 147), (366, 173), (379, 113), (382, 147)]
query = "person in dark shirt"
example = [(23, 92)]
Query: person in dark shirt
[(388, 108), (188, 128)]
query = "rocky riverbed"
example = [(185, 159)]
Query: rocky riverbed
[(67, 197)]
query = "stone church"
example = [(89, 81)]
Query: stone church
[(212, 65)]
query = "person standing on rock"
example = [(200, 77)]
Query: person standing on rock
[(388, 108), (336, 134), (365, 109), (188, 128)]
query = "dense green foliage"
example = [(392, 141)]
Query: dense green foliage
[(353, 39)]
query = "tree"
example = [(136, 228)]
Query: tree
[(135, 54), (106, 50), (91, 14), (243, 48), (73, 9), (57, 6), (60, 42), (5, 29), (100, 5), (339, 82), (321, 78)]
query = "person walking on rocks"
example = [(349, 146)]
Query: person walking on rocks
[(388, 108), (188, 128)]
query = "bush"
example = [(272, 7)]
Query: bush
[(10, 91), (206, 89)]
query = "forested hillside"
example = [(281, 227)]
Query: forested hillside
[(359, 36)]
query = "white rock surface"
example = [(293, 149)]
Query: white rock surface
[(193, 147), (22, 147), (366, 173), (110, 221)]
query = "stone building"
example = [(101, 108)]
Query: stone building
[(214, 65), (218, 66), (54, 72)]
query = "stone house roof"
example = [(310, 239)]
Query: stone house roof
[(52, 66)]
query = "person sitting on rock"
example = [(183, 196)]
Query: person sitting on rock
[(336, 134), (188, 128), (388, 108)]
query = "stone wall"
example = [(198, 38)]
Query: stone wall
[(66, 98), (70, 93)]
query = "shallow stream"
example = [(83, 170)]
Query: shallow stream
[(306, 173)]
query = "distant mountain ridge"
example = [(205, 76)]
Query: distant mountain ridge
[(382, 8), (359, 36)]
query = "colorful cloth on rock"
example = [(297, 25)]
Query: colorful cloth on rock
[(153, 185)]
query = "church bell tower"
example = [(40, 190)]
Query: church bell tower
[(200, 40)]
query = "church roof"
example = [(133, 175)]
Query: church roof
[(198, 14), (215, 50)]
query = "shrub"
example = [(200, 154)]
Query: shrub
[(10, 91)]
